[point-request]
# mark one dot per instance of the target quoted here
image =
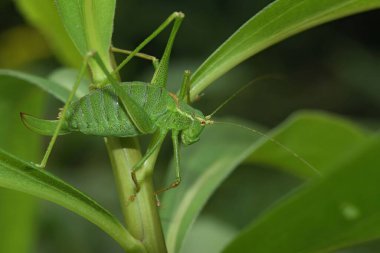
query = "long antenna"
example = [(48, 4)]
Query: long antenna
[(287, 149), (240, 90)]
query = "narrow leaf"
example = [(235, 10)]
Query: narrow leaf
[(22, 176), (332, 212), (47, 85), (317, 137), (60, 89), (89, 24), (18, 211), (66, 78), (207, 164), (210, 235), (276, 22)]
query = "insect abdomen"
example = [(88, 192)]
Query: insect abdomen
[(101, 112)]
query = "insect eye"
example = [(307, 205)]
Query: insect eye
[(203, 122)]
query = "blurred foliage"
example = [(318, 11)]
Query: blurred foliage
[(13, 52), (338, 210), (37, 12), (334, 67), (20, 233)]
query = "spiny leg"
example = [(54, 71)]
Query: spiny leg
[(184, 92), (173, 17), (177, 180), (63, 112), (152, 148), (148, 57), (161, 74)]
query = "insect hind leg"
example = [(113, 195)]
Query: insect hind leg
[(176, 17)]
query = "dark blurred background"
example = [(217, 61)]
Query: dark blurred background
[(334, 67)]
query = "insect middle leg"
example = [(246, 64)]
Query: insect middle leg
[(177, 180), (155, 61)]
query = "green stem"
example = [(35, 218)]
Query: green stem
[(140, 211)]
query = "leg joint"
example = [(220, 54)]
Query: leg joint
[(179, 14)]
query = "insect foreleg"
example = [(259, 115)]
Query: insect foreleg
[(151, 149), (184, 92), (177, 180), (148, 57), (63, 112)]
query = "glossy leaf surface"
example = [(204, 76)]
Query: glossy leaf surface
[(22, 176), (207, 165), (337, 210), (276, 22)]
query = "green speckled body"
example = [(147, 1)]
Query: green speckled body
[(101, 112)]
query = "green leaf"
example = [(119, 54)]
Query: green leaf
[(319, 138), (43, 15), (66, 77), (18, 226), (59, 87), (335, 211), (47, 85), (22, 176), (89, 24), (208, 235), (276, 22), (205, 166), (18, 211)]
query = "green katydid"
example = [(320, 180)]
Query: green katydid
[(147, 108)]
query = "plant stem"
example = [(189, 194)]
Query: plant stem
[(140, 211)]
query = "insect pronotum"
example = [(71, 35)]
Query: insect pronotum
[(128, 109)]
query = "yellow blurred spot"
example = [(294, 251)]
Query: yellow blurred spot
[(21, 45)]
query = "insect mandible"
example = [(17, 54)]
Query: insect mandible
[(128, 109)]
